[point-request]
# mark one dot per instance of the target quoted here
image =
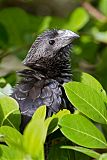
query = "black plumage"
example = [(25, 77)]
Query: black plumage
[(49, 67)]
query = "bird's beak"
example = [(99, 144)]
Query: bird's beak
[(67, 34), (66, 37)]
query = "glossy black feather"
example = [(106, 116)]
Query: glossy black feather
[(43, 82)]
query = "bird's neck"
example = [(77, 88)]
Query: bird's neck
[(57, 67)]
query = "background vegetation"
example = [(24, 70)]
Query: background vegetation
[(20, 23)]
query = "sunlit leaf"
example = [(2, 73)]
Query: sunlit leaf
[(33, 139), (87, 100), (8, 106), (99, 36), (55, 118), (89, 80), (78, 19), (10, 153), (81, 131), (40, 113), (11, 136), (103, 156), (103, 6)]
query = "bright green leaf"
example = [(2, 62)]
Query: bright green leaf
[(81, 131), (103, 156), (99, 36), (55, 118), (78, 19), (34, 139), (8, 106), (10, 153), (40, 113), (11, 136), (103, 6), (89, 80), (87, 100)]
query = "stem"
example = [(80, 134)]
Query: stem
[(94, 12)]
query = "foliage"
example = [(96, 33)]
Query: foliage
[(82, 135), (72, 132), (89, 52)]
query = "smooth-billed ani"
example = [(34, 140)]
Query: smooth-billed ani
[(49, 67)]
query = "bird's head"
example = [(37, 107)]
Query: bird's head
[(48, 45)]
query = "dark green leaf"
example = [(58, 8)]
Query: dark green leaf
[(16, 23), (86, 151)]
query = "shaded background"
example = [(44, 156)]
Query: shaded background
[(22, 20)]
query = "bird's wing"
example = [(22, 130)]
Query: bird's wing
[(52, 97), (31, 95)]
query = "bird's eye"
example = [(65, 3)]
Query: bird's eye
[(51, 42)]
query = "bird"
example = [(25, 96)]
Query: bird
[(48, 68)]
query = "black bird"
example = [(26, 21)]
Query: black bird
[(49, 67)]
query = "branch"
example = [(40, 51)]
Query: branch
[(94, 12)]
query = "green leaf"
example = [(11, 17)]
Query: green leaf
[(87, 100), (36, 131), (81, 131), (40, 113), (1, 137), (55, 22), (89, 80), (8, 108), (16, 23), (61, 113), (2, 82), (55, 118), (45, 23), (10, 153), (103, 156), (99, 36), (64, 154), (11, 136), (3, 36), (47, 123), (86, 151), (75, 22), (34, 139), (103, 6)]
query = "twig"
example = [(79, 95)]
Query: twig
[(94, 12)]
